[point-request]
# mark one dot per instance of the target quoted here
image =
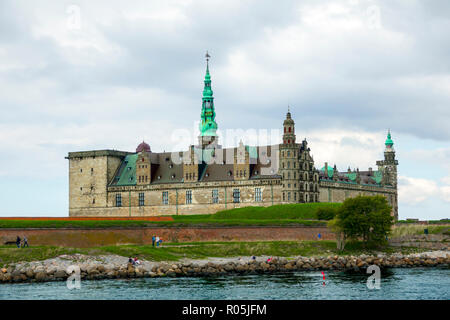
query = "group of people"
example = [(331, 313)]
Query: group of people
[(134, 261), (156, 240), (22, 242)]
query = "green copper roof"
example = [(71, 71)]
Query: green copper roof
[(208, 125), (330, 171), (351, 176), (377, 176), (127, 174), (389, 141)]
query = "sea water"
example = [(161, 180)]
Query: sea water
[(396, 283)]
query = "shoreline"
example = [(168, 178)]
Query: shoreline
[(117, 267)]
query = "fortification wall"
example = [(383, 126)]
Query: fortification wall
[(82, 238)]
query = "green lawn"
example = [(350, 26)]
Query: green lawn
[(288, 214), (196, 250)]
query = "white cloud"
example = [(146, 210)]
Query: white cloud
[(415, 190)]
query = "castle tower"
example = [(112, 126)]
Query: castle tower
[(208, 126), (388, 168), (143, 164), (288, 164)]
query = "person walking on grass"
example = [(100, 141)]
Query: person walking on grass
[(25, 242), (18, 240), (153, 240)]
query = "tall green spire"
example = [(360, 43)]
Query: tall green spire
[(208, 125), (389, 143)]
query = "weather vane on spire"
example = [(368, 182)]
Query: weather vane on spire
[(207, 56)]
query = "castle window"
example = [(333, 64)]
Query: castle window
[(284, 197), (245, 173), (165, 197), (139, 179), (118, 200), (92, 170), (215, 196), (187, 176), (289, 174), (289, 185), (141, 199), (295, 175), (288, 153), (81, 170), (289, 129), (188, 196), (294, 164), (146, 178), (295, 196), (289, 196), (289, 164), (289, 141), (258, 195), (236, 196), (93, 201)]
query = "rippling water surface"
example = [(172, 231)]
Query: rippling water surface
[(414, 283)]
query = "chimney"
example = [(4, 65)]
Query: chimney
[(326, 170)]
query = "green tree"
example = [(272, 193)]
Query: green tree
[(366, 218)]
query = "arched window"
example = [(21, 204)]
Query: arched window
[(289, 129)]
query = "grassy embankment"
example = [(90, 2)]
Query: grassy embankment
[(289, 214), (196, 250), (417, 229)]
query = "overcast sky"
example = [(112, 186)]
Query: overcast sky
[(79, 75)]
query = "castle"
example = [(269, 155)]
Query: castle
[(207, 178)]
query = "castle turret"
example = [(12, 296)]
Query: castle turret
[(388, 168), (289, 165), (208, 125), (143, 164)]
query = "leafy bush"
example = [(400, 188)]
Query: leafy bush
[(326, 213)]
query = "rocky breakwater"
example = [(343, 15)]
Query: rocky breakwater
[(117, 267)]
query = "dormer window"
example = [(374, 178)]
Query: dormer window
[(173, 176), (159, 177)]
